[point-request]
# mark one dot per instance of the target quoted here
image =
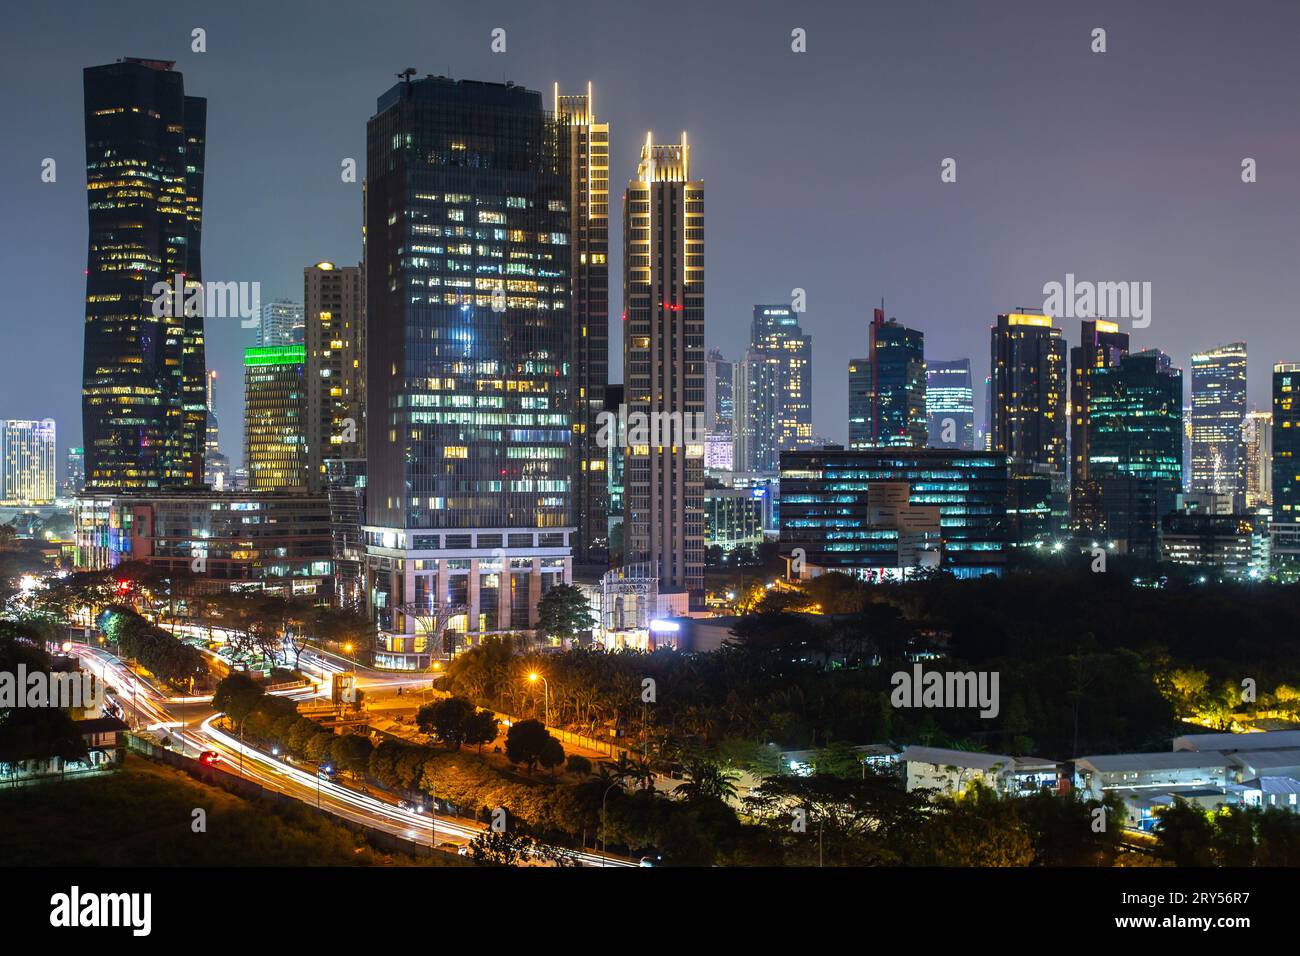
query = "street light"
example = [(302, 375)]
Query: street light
[(534, 677), (603, 853)]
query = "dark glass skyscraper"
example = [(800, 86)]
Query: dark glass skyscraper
[(1101, 345), (1286, 468), (1135, 448), (887, 388), (775, 330), (469, 411), (1218, 411), (144, 413)]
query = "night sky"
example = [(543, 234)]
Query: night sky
[(821, 169)]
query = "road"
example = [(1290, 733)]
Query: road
[(190, 722)]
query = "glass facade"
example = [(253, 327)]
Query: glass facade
[(887, 403), (950, 404), (1101, 345), (28, 461), (1218, 410), (826, 506), (143, 408), (775, 330), (335, 342)]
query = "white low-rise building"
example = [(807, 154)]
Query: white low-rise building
[(953, 771)]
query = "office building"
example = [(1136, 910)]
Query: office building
[(887, 401), (143, 413), (756, 430), (29, 461), (883, 513), (1135, 449), (719, 404), (663, 362), (74, 477), (1101, 345), (950, 404), (615, 458), (469, 419), (1218, 410), (335, 348), (345, 485), (1223, 543), (283, 323), (588, 166), (279, 541), (775, 331), (216, 466), (1286, 470), (275, 417), (1257, 444), (733, 518)]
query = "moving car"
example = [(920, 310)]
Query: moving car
[(209, 757)]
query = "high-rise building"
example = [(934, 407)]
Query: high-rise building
[(719, 400), (1028, 420), (216, 466), (1257, 441), (757, 390), (1286, 468), (663, 362), (143, 413), (1135, 448), (335, 346), (28, 461), (74, 477), (615, 461), (469, 421), (1101, 345), (1218, 409), (345, 484), (887, 388), (775, 330), (588, 153), (283, 323), (275, 417), (950, 404)]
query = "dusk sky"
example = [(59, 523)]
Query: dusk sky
[(821, 169)]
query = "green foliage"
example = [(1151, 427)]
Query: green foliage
[(564, 612)]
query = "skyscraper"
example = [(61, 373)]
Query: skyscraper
[(757, 390), (775, 330), (275, 417), (1286, 468), (1218, 409), (335, 344), (283, 323), (1135, 448), (950, 404), (28, 461), (74, 478), (1257, 441), (468, 336), (887, 388), (1101, 345), (216, 466), (1028, 420), (143, 410), (588, 152), (719, 394), (663, 361)]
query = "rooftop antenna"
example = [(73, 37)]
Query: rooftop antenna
[(406, 74)]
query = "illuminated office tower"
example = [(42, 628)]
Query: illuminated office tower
[(663, 363), (335, 334), (775, 330), (1135, 432), (1286, 469), (283, 323), (28, 461), (887, 388), (143, 413), (1257, 441), (588, 153), (216, 466), (1101, 345), (1028, 421), (469, 417), (757, 389), (74, 478), (950, 404), (275, 417), (1218, 409), (719, 394)]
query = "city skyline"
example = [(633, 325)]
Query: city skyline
[(745, 268)]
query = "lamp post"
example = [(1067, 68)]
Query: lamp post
[(603, 853), (241, 744), (534, 677)]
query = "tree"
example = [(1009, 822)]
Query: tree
[(564, 612), (351, 753), (481, 728), (525, 741), (500, 849), (707, 780), (237, 696), (578, 765), (551, 755), (447, 719)]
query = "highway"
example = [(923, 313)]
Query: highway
[(195, 731)]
